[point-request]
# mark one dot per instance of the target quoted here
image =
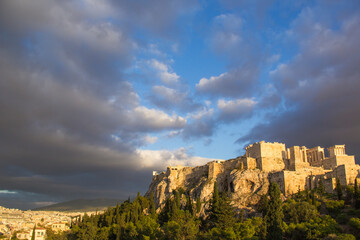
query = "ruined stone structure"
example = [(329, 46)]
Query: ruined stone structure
[(246, 178)]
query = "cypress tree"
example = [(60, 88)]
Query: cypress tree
[(152, 204), (357, 194), (338, 189), (33, 233), (198, 205), (321, 188), (274, 215), (189, 205)]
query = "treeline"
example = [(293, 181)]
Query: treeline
[(307, 215)]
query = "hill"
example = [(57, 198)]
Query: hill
[(81, 205)]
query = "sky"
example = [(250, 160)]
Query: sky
[(96, 94)]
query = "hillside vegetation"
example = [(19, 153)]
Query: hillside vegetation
[(306, 215)]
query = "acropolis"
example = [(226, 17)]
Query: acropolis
[(247, 177)]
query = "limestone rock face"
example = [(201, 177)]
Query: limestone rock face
[(244, 186), (247, 186)]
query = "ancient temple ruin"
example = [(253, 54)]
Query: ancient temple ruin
[(248, 176)]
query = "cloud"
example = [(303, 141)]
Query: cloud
[(163, 72), (70, 121), (160, 159), (171, 99), (237, 82), (319, 85), (201, 123), (227, 35), (235, 109)]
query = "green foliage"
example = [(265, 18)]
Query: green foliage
[(219, 234), (356, 194), (221, 211), (342, 218), (316, 228), (334, 207), (345, 237), (248, 228), (321, 188), (274, 214), (355, 223), (292, 219), (338, 189), (297, 212), (198, 205)]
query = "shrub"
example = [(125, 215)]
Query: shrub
[(334, 206), (316, 228), (342, 218), (297, 212), (345, 237), (355, 223)]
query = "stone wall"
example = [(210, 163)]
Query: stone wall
[(269, 164), (345, 159), (253, 151), (273, 150), (269, 156)]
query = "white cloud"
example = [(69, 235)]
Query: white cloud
[(237, 108), (154, 119), (160, 159), (164, 72), (234, 83), (150, 139)]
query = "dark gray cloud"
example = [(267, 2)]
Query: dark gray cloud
[(319, 86), (70, 122), (173, 98)]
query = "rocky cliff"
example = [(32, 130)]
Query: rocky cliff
[(245, 186)]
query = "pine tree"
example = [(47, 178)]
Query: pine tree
[(221, 211), (321, 188), (338, 189), (274, 215)]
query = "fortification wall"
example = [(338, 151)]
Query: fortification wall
[(215, 169), (345, 159), (270, 164), (253, 151), (273, 150), (249, 163), (329, 163)]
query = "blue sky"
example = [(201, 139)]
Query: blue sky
[(94, 95)]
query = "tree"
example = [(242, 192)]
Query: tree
[(274, 216), (338, 189), (321, 187), (356, 194), (152, 208), (221, 211), (198, 205), (33, 233)]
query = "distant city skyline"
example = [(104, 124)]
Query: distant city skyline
[(96, 94)]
